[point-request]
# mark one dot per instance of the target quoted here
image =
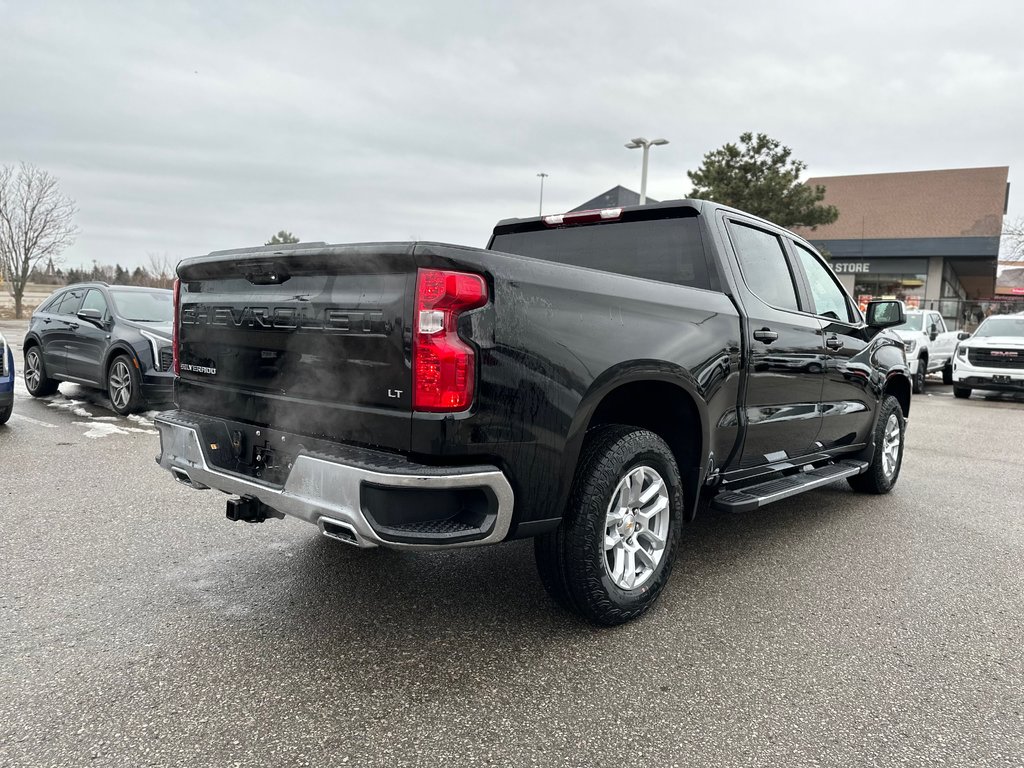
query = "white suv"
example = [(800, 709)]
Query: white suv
[(930, 346), (992, 358)]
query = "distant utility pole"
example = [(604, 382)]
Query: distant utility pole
[(540, 208), (637, 143)]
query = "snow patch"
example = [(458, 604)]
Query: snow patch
[(98, 429), (141, 418), (66, 404)]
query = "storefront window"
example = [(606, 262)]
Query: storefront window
[(907, 287)]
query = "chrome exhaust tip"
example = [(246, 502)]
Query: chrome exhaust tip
[(182, 477), (340, 531)]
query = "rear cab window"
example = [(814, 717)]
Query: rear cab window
[(669, 249)]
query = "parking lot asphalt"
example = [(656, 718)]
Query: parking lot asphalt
[(139, 627)]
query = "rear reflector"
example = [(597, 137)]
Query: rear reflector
[(443, 365)]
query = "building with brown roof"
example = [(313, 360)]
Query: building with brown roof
[(928, 237)]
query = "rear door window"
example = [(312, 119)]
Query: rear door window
[(764, 266), (69, 304)]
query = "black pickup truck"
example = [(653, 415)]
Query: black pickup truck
[(591, 380)]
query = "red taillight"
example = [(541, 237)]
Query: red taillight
[(175, 339), (582, 217), (443, 365)]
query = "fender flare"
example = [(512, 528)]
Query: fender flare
[(117, 348), (610, 380)]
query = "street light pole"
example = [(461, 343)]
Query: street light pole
[(645, 144), (540, 208)]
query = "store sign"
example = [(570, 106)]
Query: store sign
[(851, 267), (881, 267)]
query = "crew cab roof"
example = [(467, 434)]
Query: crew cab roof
[(666, 209)]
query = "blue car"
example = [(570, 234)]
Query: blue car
[(6, 380)]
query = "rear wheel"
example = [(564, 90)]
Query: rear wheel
[(962, 392), (612, 555), (123, 385), (885, 466), (919, 377), (36, 381), (947, 373)]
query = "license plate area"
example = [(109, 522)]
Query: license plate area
[(1001, 379)]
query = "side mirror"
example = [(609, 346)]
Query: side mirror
[(885, 313), (962, 336), (93, 316)]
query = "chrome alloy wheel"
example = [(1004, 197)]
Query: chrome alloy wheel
[(891, 439), (636, 527), (119, 385), (33, 369)]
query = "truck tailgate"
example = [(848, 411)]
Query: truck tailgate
[(310, 341)]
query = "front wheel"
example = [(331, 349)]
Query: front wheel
[(887, 461), (123, 386), (962, 392), (612, 555)]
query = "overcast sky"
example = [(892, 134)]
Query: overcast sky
[(181, 128)]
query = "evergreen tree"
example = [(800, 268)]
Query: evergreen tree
[(762, 178)]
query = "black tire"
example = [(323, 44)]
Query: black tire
[(919, 377), (573, 561), (123, 385), (37, 385), (947, 373), (882, 475), (962, 392), (5, 413)]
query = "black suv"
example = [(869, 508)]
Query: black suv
[(114, 337)]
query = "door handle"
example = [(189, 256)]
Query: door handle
[(766, 335), (47, 320), (834, 342), (73, 326)]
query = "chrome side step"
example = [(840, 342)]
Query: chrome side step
[(756, 496)]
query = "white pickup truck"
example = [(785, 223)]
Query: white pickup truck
[(930, 346)]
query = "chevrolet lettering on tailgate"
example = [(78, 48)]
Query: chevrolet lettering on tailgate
[(286, 318)]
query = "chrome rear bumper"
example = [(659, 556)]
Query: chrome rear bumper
[(328, 493)]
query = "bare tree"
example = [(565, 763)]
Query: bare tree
[(36, 224), (1013, 240), (161, 269)]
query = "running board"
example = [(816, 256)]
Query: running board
[(756, 496)]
